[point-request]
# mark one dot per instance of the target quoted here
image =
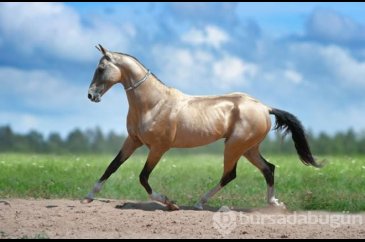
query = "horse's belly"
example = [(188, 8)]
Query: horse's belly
[(203, 121), (190, 140), (194, 133)]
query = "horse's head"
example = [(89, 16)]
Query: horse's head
[(107, 74)]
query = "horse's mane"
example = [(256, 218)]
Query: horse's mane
[(134, 58)]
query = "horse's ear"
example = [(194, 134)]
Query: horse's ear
[(102, 49), (97, 47)]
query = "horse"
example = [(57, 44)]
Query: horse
[(162, 117)]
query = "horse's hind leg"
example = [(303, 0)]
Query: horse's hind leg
[(267, 169), (231, 156), (129, 146)]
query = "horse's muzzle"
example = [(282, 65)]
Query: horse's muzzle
[(94, 98)]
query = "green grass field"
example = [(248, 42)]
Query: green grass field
[(339, 186)]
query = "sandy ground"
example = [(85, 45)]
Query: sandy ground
[(21, 218)]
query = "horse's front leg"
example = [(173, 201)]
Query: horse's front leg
[(129, 146), (153, 158)]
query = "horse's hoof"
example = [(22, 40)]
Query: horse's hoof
[(86, 200), (282, 205), (279, 205), (172, 207)]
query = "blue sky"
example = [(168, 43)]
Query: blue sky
[(306, 58)]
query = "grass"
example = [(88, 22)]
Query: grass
[(4, 235), (339, 186), (37, 236)]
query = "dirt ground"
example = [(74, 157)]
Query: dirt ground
[(103, 218)]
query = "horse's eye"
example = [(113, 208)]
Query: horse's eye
[(100, 69)]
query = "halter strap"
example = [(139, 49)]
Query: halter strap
[(135, 85)]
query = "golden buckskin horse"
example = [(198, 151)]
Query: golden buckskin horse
[(162, 117)]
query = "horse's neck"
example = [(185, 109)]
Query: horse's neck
[(147, 95)]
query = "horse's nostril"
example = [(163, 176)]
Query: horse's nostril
[(89, 96)]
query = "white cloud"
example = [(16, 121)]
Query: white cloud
[(327, 63), (211, 36), (182, 67), (347, 70), (38, 89), (44, 102), (194, 70), (289, 80), (56, 29), (293, 76), (232, 71)]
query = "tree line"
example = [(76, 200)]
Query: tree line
[(94, 141)]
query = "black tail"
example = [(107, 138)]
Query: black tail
[(289, 123)]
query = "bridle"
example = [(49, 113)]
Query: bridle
[(137, 84)]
